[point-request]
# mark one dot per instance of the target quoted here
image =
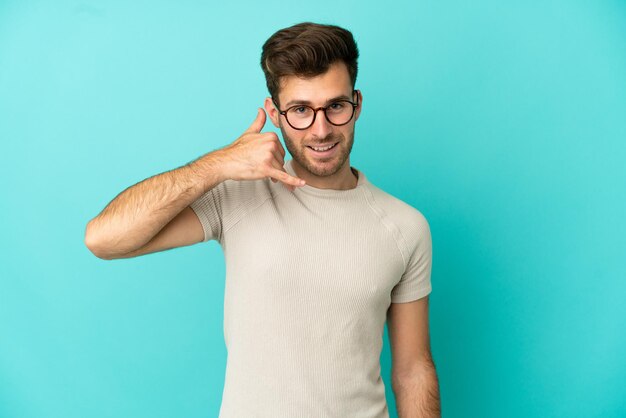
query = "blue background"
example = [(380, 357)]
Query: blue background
[(503, 123)]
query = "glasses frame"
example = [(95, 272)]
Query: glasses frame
[(315, 110)]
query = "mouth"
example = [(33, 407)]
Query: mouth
[(323, 151)]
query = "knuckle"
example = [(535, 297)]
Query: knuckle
[(268, 158), (264, 170)]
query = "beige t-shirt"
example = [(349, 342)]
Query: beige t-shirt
[(310, 275)]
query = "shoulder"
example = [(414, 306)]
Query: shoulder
[(236, 192), (410, 221), (401, 212), (230, 199)]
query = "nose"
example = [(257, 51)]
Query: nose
[(321, 127)]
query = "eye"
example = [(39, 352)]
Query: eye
[(337, 106), (300, 109)]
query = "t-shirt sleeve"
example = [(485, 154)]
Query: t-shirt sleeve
[(415, 282), (209, 209)]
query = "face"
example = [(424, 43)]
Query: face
[(317, 91)]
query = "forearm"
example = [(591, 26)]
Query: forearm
[(138, 213), (417, 395)]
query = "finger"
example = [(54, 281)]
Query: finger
[(285, 177), (279, 159), (278, 162), (274, 138), (276, 165), (258, 123), (281, 149)]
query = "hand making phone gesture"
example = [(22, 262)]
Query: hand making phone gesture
[(256, 155)]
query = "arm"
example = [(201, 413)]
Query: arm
[(153, 214), (149, 215), (414, 378)]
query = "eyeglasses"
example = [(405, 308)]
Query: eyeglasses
[(338, 113)]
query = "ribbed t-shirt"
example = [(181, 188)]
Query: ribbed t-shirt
[(310, 274)]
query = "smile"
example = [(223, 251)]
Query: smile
[(323, 151)]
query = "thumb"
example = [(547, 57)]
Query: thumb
[(258, 123)]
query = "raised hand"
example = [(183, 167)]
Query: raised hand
[(256, 155)]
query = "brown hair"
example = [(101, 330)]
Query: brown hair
[(307, 49)]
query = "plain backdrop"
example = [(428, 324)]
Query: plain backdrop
[(504, 123)]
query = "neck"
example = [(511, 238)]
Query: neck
[(344, 179)]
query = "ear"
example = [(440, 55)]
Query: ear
[(358, 108), (271, 110)]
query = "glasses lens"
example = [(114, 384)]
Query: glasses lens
[(340, 113), (300, 117)]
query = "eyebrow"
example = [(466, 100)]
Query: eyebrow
[(307, 102)]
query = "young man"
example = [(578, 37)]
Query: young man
[(317, 259)]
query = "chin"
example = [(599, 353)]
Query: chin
[(323, 168), (325, 171)]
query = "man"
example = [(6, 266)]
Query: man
[(317, 259)]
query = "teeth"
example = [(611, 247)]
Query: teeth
[(323, 149)]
